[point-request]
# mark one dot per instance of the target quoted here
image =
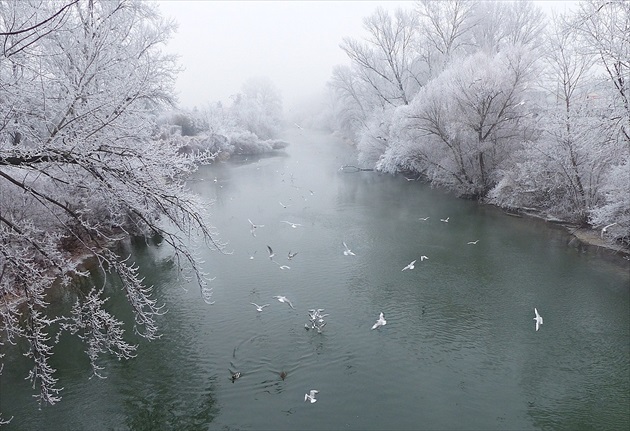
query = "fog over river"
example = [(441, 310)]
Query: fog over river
[(459, 350)]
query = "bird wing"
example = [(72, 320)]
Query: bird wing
[(313, 392), (270, 250), (344, 244), (536, 311)]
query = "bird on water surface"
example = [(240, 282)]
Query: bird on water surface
[(311, 396)]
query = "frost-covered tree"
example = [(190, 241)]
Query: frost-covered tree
[(82, 166), (385, 60), (258, 108), (602, 27), (445, 31), (500, 24), (350, 104), (615, 210), (465, 123), (564, 171), (385, 72)]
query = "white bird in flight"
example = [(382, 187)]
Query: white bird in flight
[(538, 319), (424, 218), (285, 300), (423, 258), (259, 307), (445, 220), (380, 322), (291, 255), (311, 396), (281, 266), (347, 251), (254, 227), (410, 266), (283, 205), (473, 242), (293, 225)]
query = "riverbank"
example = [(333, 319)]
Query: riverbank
[(584, 237)]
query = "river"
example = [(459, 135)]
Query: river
[(459, 350)]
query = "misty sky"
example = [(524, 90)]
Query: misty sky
[(294, 43)]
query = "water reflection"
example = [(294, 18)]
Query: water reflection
[(459, 350), (158, 407)]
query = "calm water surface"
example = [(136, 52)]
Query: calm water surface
[(459, 350)]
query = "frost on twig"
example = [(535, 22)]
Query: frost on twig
[(98, 329), (82, 167)]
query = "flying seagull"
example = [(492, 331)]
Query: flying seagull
[(271, 253), (259, 307), (380, 322), (423, 258), (254, 227), (424, 218), (347, 251), (291, 255), (283, 205), (293, 225), (445, 220), (473, 242), (410, 266), (285, 300), (538, 319), (311, 396)]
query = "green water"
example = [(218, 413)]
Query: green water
[(459, 350)]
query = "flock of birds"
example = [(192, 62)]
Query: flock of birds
[(316, 320)]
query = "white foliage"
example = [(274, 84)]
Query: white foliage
[(259, 108), (616, 206), (83, 165), (465, 123)]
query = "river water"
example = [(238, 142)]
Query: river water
[(459, 350)]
